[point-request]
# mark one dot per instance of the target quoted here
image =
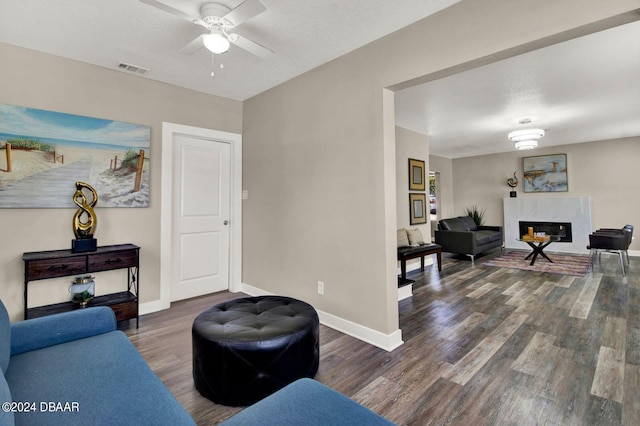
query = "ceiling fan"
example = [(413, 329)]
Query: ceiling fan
[(219, 20)]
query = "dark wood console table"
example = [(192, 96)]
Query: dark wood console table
[(42, 265)]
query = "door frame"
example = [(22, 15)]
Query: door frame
[(166, 210)]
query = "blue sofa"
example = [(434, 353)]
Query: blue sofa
[(76, 368), (306, 402)]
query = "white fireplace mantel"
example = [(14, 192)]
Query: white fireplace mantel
[(576, 210)]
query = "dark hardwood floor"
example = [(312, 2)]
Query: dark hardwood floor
[(483, 345)]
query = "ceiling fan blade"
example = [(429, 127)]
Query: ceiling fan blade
[(245, 11), (171, 10), (193, 46), (250, 46)]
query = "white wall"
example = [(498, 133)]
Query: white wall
[(37, 80)]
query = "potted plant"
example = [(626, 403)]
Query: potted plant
[(476, 214)]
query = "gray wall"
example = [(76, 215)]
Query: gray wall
[(410, 144), (319, 152), (603, 170), (414, 145), (37, 80)]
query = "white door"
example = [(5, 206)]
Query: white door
[(201, 188)]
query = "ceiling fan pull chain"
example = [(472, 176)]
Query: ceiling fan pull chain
[(213, 65)]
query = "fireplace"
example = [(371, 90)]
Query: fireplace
[(549, 209), (561, 229)]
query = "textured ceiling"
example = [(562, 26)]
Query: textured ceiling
[(582, 90), (303, 34)]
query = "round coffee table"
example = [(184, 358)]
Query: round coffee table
[(248, 348)]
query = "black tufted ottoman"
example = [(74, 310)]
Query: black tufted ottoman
[(246, 349)]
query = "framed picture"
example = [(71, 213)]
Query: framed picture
[(416, 175), (417, 209), (545, 173), (43, 153)]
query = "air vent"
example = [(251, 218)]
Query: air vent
[(136, 69)]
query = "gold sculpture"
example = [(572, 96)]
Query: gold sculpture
[(84, 229)]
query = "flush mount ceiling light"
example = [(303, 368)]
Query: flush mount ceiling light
[(526, 134), (522, 145), (526, 138)]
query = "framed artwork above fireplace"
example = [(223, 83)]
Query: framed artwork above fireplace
[(545, 173)]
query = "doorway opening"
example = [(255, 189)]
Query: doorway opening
[(434, 197)]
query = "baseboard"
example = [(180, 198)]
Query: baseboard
[(388, 342), (405, 292), (253, 291), (154, 306)]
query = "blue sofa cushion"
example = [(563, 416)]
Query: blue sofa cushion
[(6, 417), (51, 330), (5, 338), (306, 402), (104, 375)]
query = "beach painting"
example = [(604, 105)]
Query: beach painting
[(43, 153), (545, 173)]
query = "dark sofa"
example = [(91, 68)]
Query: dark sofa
[(461, 235)]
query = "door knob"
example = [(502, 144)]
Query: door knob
[(226, 222)]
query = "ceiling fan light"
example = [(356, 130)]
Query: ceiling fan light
[(216, 43), (527, 144), (525, 134)]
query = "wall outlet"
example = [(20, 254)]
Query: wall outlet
[(245, 194), (320, 287)]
